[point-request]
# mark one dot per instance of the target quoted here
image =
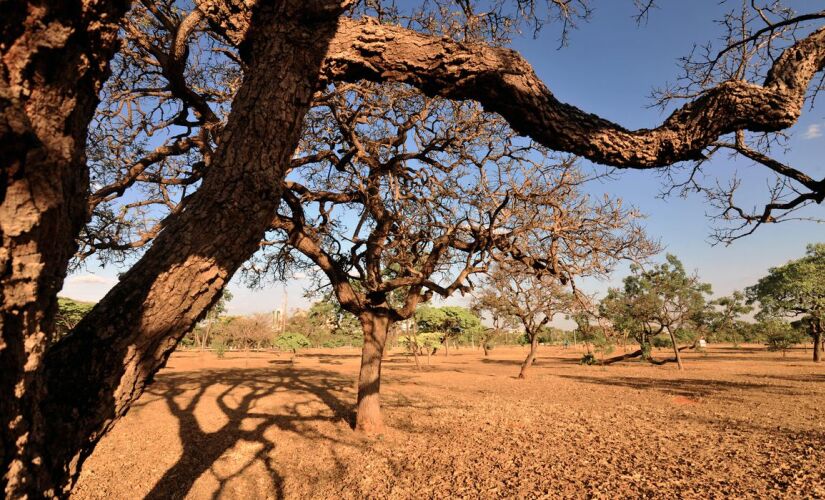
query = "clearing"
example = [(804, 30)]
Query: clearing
[(738, 421)]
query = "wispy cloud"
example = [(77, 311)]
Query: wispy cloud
[(89, 279), (813, 131)]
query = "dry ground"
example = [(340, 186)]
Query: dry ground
[(737, 422)]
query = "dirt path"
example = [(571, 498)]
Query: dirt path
[(741, 422)]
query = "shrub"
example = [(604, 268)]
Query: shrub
[(589, 359), (220, 348), (290, 341)]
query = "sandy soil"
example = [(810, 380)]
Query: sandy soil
[(737, 422)]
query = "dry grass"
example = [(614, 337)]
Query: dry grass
[(736, 422)]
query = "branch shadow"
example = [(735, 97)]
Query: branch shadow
[(691, 388), (240, 391)]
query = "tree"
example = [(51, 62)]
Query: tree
[(662, 299), (69, 314), (48, 97), (780, 335), (724, 322), (450, 322), (292, 341), (212, 316), (532, 297), (397, 197), (795, 289)]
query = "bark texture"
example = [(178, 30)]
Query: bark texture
[(54, 57), (531, 356), (368, 412), (102, 367), (505, 83)]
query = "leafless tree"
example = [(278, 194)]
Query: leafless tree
[(396, 197), (533, 297)]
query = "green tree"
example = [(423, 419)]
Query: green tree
[(663, 299), (291, 341), (450, 322), (796, 289), (69, 314), (723, 321), (213, 318)]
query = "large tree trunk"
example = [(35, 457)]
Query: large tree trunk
[(531, 356), (817, 335), (95, 373), (675, 348), (368, 412), (54, 56)]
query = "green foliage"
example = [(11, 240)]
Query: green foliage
[(655, 300), (69, 314), (450, 322), (291, 341), (780, 336), (796, 288), (219, 344), (723, 320), (422, 341), (589, 359), (326, 324)]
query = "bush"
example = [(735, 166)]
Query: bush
[(334, 342), (220, 348), (589, 359), (290, 341)]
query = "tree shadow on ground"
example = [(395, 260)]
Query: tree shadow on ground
[(239, 394), (540, 360), (808, 377), (692, 388)]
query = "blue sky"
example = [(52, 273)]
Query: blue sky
[(609, 68)]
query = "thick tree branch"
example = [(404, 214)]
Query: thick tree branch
[(505, 83)]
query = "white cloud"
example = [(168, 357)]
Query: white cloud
[(89, 279), (813, 131)]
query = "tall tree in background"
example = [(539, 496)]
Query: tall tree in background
[(724, 321), (664, 298), (796, 289)]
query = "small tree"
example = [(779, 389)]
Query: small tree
[(780, 335), (213, 317), (450, 322), (662, 299), (795, 289), (531, 296), (291, 341), (723, 321), (69, 314)]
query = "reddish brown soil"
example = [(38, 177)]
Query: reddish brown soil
[(736, 422)]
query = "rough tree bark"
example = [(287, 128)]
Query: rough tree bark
[(505, 83), (817, 335), (54, 57), (368, 411), (93, 375), (531, 356)]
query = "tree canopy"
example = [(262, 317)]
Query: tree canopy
[(796, 289)]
